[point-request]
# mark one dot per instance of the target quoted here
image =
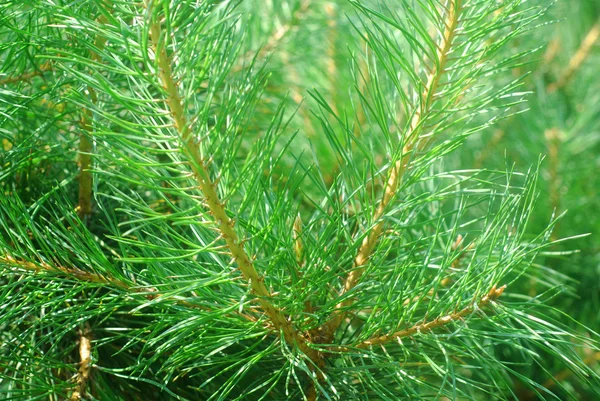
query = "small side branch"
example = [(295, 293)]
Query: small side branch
[(280, 33), (492, 295), (564, 374), (85, 355), (364, 78)]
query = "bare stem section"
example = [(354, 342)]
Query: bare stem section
[(492, 295), (397, 170), (83, 375), (208, 188)]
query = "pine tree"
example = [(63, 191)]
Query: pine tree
[(232, 200)]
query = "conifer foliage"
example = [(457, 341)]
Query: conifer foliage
[(232, 200)]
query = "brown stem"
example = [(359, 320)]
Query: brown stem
[(208, 187), (85, 355), (492, 295), (578, 58), (27, 76), (397, 170)]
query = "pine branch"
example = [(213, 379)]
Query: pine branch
[(150, 293), (208, 187), (299, 251), (296, 94), (275, 39), (553, 140), (552, 51), (331, 39), (84, 208), (558, 378), (364, 79), (27, 76), (564, 374), (578, 58), (69, 272), (492, 295), (397, 170)]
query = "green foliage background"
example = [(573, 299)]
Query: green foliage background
[(299, 108)]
